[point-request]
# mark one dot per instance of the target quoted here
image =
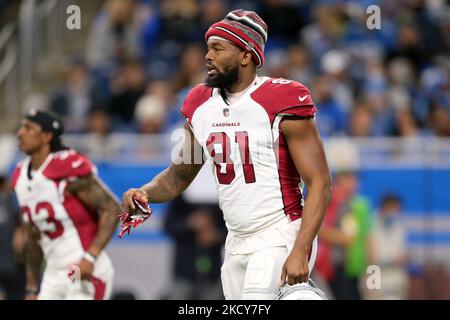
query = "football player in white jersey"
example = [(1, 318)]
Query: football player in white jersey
[(260, 136), (69, 215)]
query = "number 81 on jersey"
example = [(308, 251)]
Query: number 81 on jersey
[(219, 148)]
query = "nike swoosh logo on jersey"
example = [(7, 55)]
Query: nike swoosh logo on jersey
[(302, 98), (77, 163)]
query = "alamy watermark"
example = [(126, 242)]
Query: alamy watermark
[(73, 21), (373, 281), (374, 19)]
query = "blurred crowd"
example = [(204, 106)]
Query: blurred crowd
[(142, 57)]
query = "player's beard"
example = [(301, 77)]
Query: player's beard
[(223, 80)]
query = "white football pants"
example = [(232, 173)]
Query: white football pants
[(65, 284), (256, 275)]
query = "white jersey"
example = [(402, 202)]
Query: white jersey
[(66, 227), (257, 181)]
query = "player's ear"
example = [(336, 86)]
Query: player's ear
[(246, 58)]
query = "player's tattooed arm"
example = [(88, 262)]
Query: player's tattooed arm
[(95, 195), (178, 176), (33, 259)]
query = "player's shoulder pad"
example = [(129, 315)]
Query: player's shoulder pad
[(284, 96), (16, 173), (68, 164), (194, 99)]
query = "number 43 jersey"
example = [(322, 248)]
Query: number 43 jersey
[(66, 227), (258, 183)]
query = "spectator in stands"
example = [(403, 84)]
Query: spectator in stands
[(406, 124), (191, 69), (324, 32), (299, 64), (383, 114), (345, 242), (284, 20), (446, 31), (12, 271), (114, 35), (180, 20), (198, 231), (335, 65), (150, 114), (331, 118), (346, 247), (212, 11), (409, 46), (378, 66), (127, 86), (440, 120), (175, 27), (162, 89), (277, 65), (99, 122), (100, 145), (375, 80), (430, 39), (361, 120), (429, 281), (76, 96), (389, 240), (150, 30)]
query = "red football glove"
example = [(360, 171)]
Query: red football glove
[(133, 220)]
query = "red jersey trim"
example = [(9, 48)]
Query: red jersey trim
[(289, 182), (84, 221), (195, 98), (279, 96), (68, 164), (99, 288)]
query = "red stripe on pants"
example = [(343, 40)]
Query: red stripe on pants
[(99, 288)]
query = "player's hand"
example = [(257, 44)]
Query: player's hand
[(295, 269), (86, 269), (127, 199), (132, 219), (31, 296)]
